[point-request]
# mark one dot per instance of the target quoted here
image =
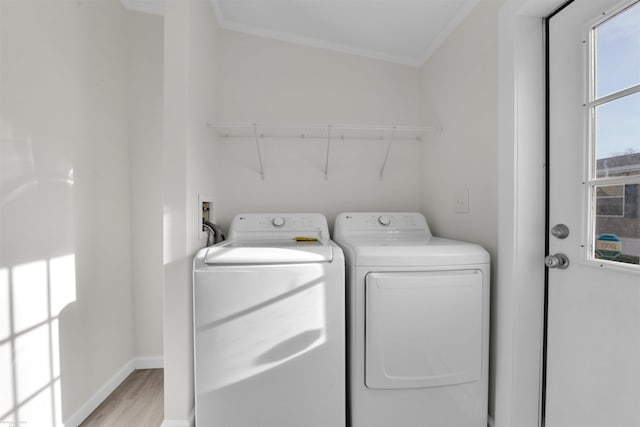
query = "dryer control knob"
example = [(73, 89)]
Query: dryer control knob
[(384, 220), (277, 222)]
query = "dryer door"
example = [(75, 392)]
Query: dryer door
[(423, 329)]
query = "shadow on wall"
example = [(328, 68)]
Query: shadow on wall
[(34, 288)]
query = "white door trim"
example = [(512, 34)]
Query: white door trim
[(521, 212)]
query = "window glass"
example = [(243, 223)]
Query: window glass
[(618, 52), (617, 137), (610, 200), (617, 227), (614, 119)]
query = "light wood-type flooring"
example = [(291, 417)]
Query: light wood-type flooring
[(137, 402)]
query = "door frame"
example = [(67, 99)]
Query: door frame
[(519, 330), (547, 204)]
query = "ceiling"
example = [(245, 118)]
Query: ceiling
[(400, 31)]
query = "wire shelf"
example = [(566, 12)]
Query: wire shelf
[(326, 133), (322, 132)]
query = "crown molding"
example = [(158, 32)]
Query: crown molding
[(412, 61), (448, 30), (156, 7), (153, 7), (318, 43)]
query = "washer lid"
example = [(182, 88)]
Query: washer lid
[(282, 251), (410, 253)]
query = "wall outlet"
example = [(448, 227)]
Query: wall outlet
[(461, 202)]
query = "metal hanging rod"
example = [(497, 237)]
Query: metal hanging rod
[(386, 155), (255, 135), (326, 160)]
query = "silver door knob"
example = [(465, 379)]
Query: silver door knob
[(560, 231), (560, 261)]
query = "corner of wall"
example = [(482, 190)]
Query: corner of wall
[(190, 70)]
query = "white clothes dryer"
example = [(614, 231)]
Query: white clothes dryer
[(418, 323), (269, 325)]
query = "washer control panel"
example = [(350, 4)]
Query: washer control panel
[(278, 226)]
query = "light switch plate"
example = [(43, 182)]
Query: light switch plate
[(461, 202)]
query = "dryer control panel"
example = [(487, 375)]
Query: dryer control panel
[(381, 223)]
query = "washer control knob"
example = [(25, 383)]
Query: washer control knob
[(277, 222), (384, 220)]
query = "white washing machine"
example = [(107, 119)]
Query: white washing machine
[(418, 323), (269, 325)]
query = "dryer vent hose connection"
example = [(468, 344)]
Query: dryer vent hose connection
[(214, 233)]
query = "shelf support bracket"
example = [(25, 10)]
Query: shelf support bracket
[(255, 135), (386, 155), (326, 160)]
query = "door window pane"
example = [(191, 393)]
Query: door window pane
[(617, 223), (610, 200), (617, 137), (618, 52)]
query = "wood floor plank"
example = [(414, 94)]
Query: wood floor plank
[(137, 402)]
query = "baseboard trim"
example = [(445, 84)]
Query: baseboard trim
[(151, 362), (191, 422), (99, 396), (175, 423), (153, 7), (108, 387)]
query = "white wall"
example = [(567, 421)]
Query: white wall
[(145, 87), (81, 203), (269, 81), (64, 193), (460, 90), (189, 99)]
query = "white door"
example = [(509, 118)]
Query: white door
[(414, 336), (593, 335)]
